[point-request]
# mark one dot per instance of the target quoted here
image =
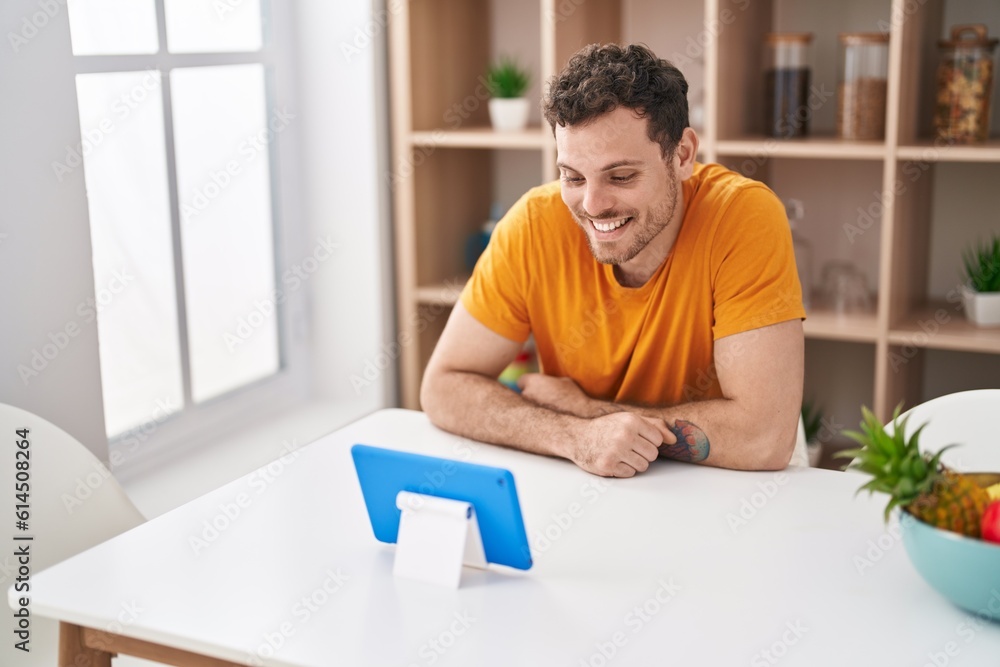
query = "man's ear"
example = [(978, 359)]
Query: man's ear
[(685, 153)]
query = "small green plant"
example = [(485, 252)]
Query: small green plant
[(506, 79), (812, 420), (982, 265)]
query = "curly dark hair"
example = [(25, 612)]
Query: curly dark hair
[(598, 79)]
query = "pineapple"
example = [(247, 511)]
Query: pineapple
[(919, 483)]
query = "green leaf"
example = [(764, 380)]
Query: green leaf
[(848, 453), (883, 445), (888, 508), (904, 488), (860, 438), (873, 464), (899, 433), (916, 434), (867, 486), (882, 486), (935, 462)]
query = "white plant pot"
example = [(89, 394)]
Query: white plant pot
[(509, 114), (982, 309)]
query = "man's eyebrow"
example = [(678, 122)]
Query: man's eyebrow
[(622, 163), (614, 165)]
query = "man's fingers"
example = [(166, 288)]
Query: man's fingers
[(664, 433), (521, 381), (623, 445), (621, 461), (646, 429), (623, 470), (645, 449), (636, 461)]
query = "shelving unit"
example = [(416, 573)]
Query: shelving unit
[(872, 203)]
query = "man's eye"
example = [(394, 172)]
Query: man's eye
[(572, 179), (623, 179)]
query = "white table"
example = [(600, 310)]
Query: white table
[(650, 570)]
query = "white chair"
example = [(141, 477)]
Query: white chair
[(75, 504), (968, 419)]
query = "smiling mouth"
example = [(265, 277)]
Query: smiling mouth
[(610, 225)]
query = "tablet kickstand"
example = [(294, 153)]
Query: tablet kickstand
[(436, 537)]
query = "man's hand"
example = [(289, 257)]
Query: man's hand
[(620, 444), (558, 393)]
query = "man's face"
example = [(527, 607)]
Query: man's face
[(615, 182)]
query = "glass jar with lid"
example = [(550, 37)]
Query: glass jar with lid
[(861, 86), (964, 85), (786, 84)]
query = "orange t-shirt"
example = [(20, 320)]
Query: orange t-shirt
[(732, 269)]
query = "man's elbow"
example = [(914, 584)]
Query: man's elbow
[(775, 449), (438, 391), (430, 390), (777, 459)]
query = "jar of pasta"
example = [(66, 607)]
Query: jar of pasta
[(964, 85)]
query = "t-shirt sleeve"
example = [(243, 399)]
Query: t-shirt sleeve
[(755, 282), (496, 295)]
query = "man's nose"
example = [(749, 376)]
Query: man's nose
[(596, 200)]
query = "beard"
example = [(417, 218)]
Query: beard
[(645, 226)]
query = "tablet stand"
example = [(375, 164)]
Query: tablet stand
[(436, 536)]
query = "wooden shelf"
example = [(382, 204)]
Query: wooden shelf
[(445, 293), (942, 326), (828, 325), (532, 138), (926, 151), (812, 147)]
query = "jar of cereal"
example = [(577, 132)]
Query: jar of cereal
[(862, 85)]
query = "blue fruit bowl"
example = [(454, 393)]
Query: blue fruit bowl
[(964, 570)]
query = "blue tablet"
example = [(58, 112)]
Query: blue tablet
[(383, 473)]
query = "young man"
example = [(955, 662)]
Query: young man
[(662, 294)]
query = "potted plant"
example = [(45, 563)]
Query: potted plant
[(812, 421), (981, 293), (507, 83)]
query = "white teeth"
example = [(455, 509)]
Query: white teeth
[(607, 227)]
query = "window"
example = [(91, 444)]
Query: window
[(179, 132)]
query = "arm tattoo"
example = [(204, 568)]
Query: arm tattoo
[(691, 445)]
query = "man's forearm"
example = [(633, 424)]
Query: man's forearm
[(717, 432), (477, 406), (481, 408)]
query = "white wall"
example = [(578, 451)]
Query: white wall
[(341, 54), (45, 253)]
